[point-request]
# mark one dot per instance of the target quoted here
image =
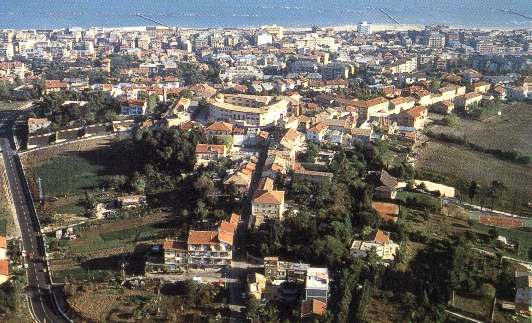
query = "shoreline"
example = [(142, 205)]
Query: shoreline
[(377, 27)]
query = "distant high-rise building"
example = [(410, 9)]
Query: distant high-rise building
[(364, 28), (263, 38), (436, 40), (277, 32)]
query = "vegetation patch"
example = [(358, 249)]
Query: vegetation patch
[(69, 174)]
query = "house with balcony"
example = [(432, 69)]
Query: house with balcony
[(133, 108), (379, 241), (210, 249), (267, 204)]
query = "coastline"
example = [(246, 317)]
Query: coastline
[(377, 27)]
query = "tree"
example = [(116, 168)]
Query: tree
[(312, 152), (493, 233), (116, 181), (494, 191), (329, 250), (137, 183), (473, 190), (487, 291)]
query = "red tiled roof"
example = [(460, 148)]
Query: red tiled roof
[(387, 211), (318, 127), (416, 112), (220, 126), (210, 149), (380, 236), (313, 306), (226, 237), (3, 242), (53, 84), (268, 197), (4, 267), (202, 237)]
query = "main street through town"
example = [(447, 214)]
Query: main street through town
[(40, 292)]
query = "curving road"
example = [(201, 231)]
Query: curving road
[(40, 292)]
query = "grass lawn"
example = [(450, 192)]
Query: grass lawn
[(69, 174)]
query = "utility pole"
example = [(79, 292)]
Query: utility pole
[(41, 192), (123, 269)]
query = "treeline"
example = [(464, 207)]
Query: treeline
[(7, 91), (100, 107), (509, 155), (162, 161)]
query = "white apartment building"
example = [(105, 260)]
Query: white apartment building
[(378, 240), (241, 72), (364, 28), (248, 110), (317, 284)]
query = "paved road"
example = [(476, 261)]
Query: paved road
[(41, 301), (484, 209), (466, 318)]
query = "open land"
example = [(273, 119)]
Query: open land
[(512, 130), (455, 162)]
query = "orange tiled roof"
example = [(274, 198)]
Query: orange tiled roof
[(269, 197), (202, 237), (169, 244), (226, 237), (209, 149), (401, 100), (220, 126), (235, 218), (313, 306), (318, 127), (53, 84), (416, 112), (3, 242), (4, 267), (380, 236), (228, 227), (387, 211)]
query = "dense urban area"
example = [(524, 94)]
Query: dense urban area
[(362, 174)]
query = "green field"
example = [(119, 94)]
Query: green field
[(510, 131), (69, 174), (454, 163), (523, 238)]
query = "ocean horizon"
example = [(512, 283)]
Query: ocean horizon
[(33, 14)]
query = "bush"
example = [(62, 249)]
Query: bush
[(450, 120)]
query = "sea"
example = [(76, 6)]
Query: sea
[(38, 14)]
